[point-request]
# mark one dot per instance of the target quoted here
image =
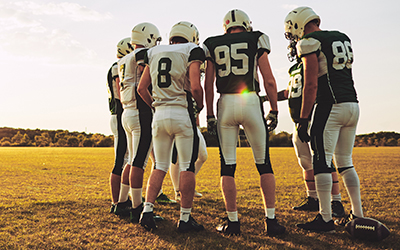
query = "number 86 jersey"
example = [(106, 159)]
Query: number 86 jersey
[(335, 58), (169, 65), (235, 60)]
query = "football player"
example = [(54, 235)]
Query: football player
[(120, 147), (293, 93), (202, 157), (167, 70), (233, 59), (136, 119), (327, 57)]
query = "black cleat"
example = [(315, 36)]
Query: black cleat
[(273, 227), (229, 227), (190, 225), (147, 221), (163, 198), (135, 213), (123, 208), (308, 204), (112, 208), (343, 221), (318, 225), (337, 209)]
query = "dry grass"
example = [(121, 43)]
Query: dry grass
[(58, 198)]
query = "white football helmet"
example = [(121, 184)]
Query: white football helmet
[(237, 18), (145, 34), (296, 20), (185, 30), (124, 47)]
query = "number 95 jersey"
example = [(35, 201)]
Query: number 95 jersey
[(235, 60), (169, 65), (335, 58)]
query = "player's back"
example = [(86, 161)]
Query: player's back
[(169, 71)]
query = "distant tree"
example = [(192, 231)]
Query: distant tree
[(5, 141), (391, 142), (41, 141), (61, 142), (87, 143), (106, 142), (72, 141), (16, 139)]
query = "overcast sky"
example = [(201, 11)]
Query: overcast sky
[(54, 55)]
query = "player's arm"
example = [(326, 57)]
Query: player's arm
[(310, 63), (118, 87), (209, 87), (194, 77), (143, 86), (269, 81)]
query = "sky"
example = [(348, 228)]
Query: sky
[(55, 55)]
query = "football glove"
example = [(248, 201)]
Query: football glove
[(196, 109), (272, 120), (302, 130), (211, 125)]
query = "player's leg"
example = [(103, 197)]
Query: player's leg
[(257, 133), (203, 155), (303, 153), (343, 156)]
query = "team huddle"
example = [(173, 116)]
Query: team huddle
[(156, 94)]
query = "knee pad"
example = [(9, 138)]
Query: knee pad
[(264, 169), (162, 167), (228, 170)]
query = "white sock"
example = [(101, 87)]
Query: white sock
[(232, 216), (270, 213), (352, 184), (323, 184), (336, 197), (312, 193), (123, 193), (148, 207), (136, 197), (185, 213)]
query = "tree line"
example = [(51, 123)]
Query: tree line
[(10, 137)]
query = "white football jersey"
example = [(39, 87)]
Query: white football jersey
[(169, 66), (129, 76)]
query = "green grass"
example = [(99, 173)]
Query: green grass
[(58, 198)]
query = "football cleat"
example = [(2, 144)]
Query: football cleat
[(190, 225), (343, 221), (337, 209), (123, 208), (163, 198), (135, 213), (273, 227), (197, 194), (112, 209), (229, 227), (308, 204), (318, 225), (147, 221)]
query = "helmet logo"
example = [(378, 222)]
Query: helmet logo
[(227, 22)]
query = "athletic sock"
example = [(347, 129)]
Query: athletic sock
[(232, 216), (270, 213), (148, 207), (352, 184), (323, 184), (123, 193), (136, 197), (312, 194), (336, 197), (185, 214)]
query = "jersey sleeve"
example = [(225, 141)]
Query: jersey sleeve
[(308, 46), (114, 71), (207, 52), (139, 56), (263, 44), (197, 54)]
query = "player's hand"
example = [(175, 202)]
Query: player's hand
[(272, 120), (264, 98), (196, 109), (211, 125), (302, 130)]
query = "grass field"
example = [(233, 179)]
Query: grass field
[(58, 198)]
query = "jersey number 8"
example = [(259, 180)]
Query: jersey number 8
[(164, 77), (223, 55)]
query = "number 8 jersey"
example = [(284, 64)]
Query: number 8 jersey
[(169, 66), (235, 60), (335, 58)]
